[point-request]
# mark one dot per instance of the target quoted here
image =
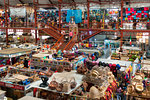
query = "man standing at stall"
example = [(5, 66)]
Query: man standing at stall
[(25, 63)]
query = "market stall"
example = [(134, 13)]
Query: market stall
[(37, 62), (129, 54), (11, 55), (46, 60), (98, 83), (139, 87), (129, 50), (17, 83), (63, 78)]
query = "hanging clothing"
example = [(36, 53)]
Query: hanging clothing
[(77, 14)]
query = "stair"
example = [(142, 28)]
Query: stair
[(62, 46), (52, 32), (67, 45), (70, 46), (57, 44)]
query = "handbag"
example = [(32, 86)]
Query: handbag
[(66, 85), (59, 87), (53, 84), (60, 68), (68, 68), (73, 83)]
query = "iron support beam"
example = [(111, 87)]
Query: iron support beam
[(35, 20), (6, 23), (60, 18), (121, 43), (88, 15)]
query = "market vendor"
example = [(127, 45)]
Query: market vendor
[(26, 63)]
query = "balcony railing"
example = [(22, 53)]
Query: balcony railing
[(92, 25)]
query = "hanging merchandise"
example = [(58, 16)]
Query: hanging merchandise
[(136, 13), (21, 11), (77, 14)]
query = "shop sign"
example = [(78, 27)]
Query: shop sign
[(18, 87)]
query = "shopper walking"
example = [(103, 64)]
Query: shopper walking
[(70, 35)]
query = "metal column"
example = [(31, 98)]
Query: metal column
[(121, 32), (6, 23), (88, 15), (60, 18), (35, 21)]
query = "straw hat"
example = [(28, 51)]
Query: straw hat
[(130, 88), (94, 93), (137, 78), (139, 87)]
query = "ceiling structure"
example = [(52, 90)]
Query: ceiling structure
[(97, 3)]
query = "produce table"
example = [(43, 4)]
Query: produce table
[(59, 77), (146, 65)]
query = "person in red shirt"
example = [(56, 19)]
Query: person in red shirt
[(71, 34)]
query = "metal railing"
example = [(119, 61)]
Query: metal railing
[(92, 25), (70, 42), (56, 44)]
